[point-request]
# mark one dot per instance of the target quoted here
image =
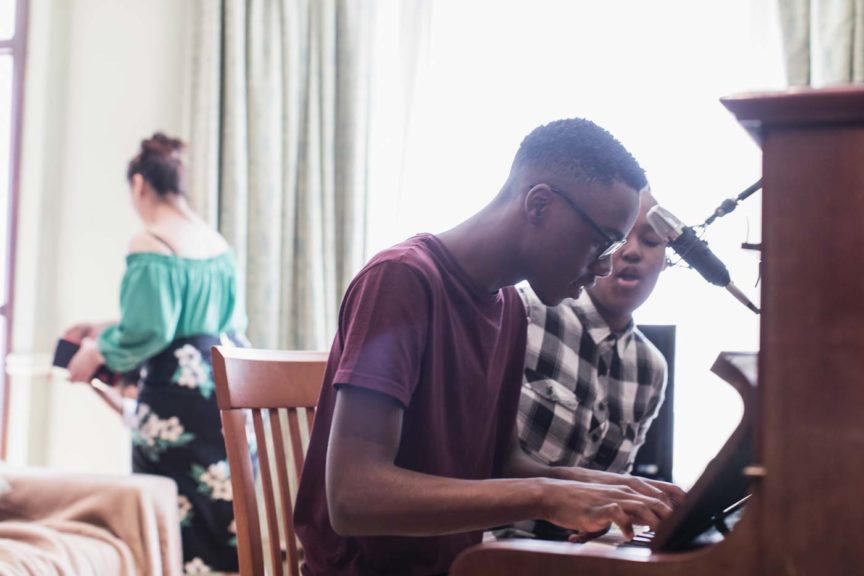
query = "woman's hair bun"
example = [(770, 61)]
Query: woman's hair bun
[(160, 162), (162, 144)]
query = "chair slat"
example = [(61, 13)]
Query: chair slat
[(250, 550), (296, 442), (267, 483), (285, 491)]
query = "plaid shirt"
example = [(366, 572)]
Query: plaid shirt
[(588, 394)]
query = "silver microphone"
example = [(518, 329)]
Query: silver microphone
[(693, 250)]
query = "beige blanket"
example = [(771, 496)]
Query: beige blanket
[(76, 524)]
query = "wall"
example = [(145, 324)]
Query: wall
[(101, 74)]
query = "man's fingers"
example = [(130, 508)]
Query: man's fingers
[(625, 513), (666, 491), (660, 506), (659, 503), (613, 512), (675, 493), (646, 488), (641, 513), (582, 536), (621, 504)]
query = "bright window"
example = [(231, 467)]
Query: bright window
[(6, 86), (650, 72), (7, 19), (12, 44)]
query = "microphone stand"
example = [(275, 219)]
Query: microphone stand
[(730, 204)]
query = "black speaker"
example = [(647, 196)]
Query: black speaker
[(654, 459)]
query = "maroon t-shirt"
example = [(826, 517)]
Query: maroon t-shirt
[(413, 326)]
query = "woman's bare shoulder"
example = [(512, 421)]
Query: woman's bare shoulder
[(145, 241)]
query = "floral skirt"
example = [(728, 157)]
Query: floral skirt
[(178, 434)]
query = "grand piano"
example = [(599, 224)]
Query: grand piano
[(799, 450)]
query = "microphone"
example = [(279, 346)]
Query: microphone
[(693, 250)]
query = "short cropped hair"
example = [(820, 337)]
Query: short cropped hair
[(582, 150)]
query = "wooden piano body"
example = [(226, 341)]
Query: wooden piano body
[(806, 511)]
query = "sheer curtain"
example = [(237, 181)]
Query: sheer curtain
[(650, 72), (823, 41), (279, 109)]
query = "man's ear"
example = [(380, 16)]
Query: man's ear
[(536, 203)]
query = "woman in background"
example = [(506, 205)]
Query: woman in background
[(177, 299)]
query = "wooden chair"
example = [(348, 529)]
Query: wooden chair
[(265, 383)]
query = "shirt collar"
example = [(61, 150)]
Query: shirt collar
[(597, 327)]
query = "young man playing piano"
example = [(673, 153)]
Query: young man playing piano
[(593, 382), (414, 450)]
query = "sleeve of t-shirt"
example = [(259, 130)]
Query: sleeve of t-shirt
[(383, 328)]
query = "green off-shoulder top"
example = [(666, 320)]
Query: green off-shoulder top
[(164, 297)]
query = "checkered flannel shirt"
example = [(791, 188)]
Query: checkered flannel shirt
[(580, 406)]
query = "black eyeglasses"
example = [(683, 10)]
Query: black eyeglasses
[(613, 244)]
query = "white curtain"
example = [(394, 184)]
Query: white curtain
[(823, 41), (278, 123)]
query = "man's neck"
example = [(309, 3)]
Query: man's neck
[(486, 249)]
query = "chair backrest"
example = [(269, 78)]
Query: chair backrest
[(273, 386)]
